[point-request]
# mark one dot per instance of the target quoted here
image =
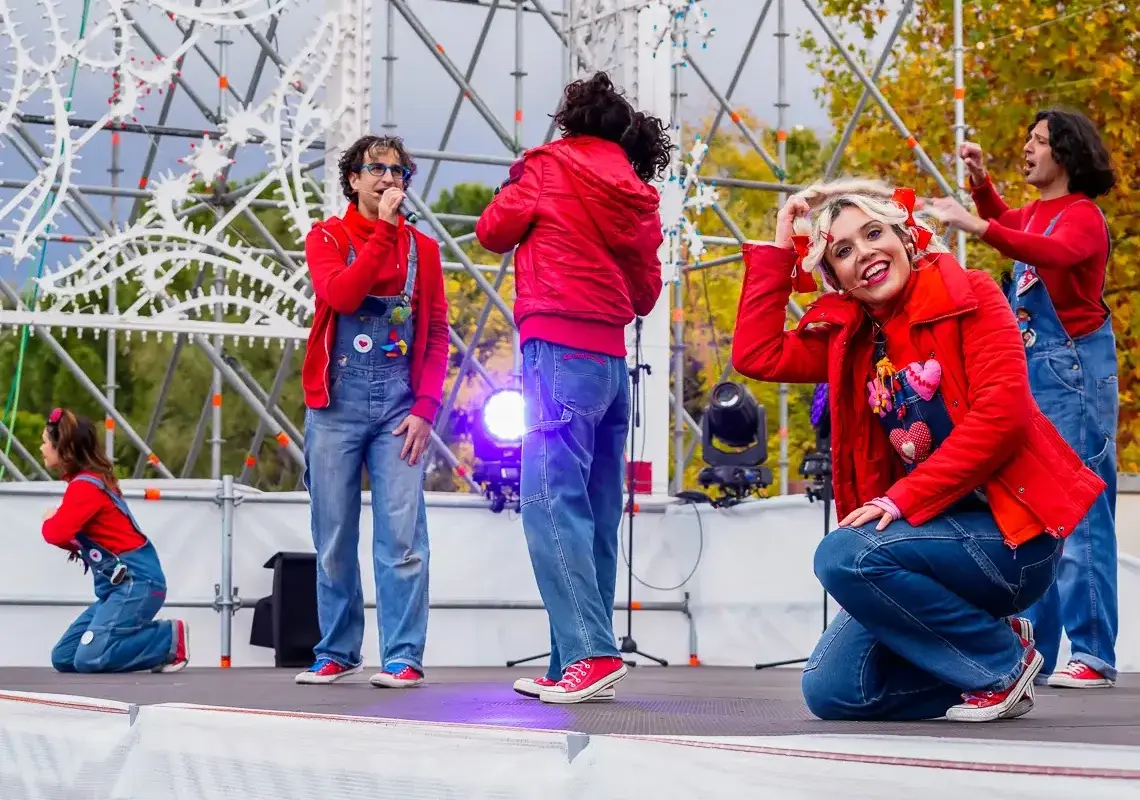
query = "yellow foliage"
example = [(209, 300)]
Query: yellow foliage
[(711, 294)]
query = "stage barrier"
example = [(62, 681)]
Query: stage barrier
[(733, 587), (59, 747), (54, 748)]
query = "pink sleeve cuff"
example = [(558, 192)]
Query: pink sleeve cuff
[(887, 505)]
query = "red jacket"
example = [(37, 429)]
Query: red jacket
[(587, 230), (1071, 260), (86, 508), (341, 289), (1001, 440)]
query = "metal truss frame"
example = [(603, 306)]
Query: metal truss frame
[(576, 48)]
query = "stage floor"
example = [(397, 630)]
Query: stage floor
[(672, 701)]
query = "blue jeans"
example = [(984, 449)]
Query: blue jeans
[(118, 632), (571, 492), (1076, 387), (353, 432), (922, 618)]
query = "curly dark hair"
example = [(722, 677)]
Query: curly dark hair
[(1077, 146), (594, 107), (77, 443), (354, 158)]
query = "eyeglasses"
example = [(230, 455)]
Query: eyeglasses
[(379, 170)]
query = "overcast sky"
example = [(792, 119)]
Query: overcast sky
[(423, 92)]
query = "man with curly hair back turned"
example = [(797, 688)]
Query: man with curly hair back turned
[(587, 227), (373, 377), (1060, 246)]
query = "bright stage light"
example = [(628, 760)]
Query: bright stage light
[(503, 416)]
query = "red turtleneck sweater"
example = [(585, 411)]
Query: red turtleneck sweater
[(380, 268), (1070, 261), (87, 509)]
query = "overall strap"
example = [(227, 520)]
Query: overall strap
[(413, 266), (119, 502), (347, 249), (1107, 235)]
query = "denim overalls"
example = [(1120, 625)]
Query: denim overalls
[(1074, 381), (917, 426), (118, 633), (370, 392)]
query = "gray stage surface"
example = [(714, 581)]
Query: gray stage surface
[(702, 701)]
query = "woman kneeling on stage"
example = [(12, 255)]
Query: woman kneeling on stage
[(118, 632), (954, 491)]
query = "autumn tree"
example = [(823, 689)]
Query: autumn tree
[(711, 294), (1020, 56)]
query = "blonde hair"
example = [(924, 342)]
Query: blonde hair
[(873, 198)]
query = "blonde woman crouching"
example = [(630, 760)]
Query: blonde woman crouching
[(954, 491)]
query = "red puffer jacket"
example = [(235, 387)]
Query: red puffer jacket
[(1001, 440), (587, 230)]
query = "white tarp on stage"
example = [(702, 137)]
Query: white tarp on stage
[(753, 597), (59, 747), (180, 752)]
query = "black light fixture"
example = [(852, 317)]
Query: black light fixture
[(737, 420)]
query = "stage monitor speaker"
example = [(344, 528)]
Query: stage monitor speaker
[(287, 620)]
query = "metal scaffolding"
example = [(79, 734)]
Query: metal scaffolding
[(297, 111)]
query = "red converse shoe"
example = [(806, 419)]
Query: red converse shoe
[(325, 670), (1023, 628), (532, 687), (397, 676), (1007, 704), (181, 655), (585, 679), (1079, 676)]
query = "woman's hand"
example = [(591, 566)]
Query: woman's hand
[(861, 516), (795, 207)]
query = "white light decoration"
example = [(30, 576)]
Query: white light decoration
[(262, 299), (687, 18), (683, 196)]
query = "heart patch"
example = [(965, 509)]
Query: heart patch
[(913, 443), (924, 378)]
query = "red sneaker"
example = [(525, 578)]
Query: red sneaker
[(532, 687), (181, 649), (1006, 704), (397, 676), (1023, 628), (585, 679), (325, 670), (1079, 676)]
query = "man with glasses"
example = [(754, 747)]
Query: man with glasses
[(373, 379)]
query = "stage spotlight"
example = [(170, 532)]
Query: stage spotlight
[(503, 416), (734, 418), (497, 440)]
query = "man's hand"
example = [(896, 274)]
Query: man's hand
[(950, 212), (972, 155), (390, 204), (418, 432)]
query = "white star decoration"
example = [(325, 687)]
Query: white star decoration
[(263, 299)]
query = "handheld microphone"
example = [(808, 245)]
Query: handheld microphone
[(409, 213)]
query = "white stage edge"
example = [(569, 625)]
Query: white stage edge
[(72, 747), (752, 597)]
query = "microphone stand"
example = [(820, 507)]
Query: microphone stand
[(628, 643)]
